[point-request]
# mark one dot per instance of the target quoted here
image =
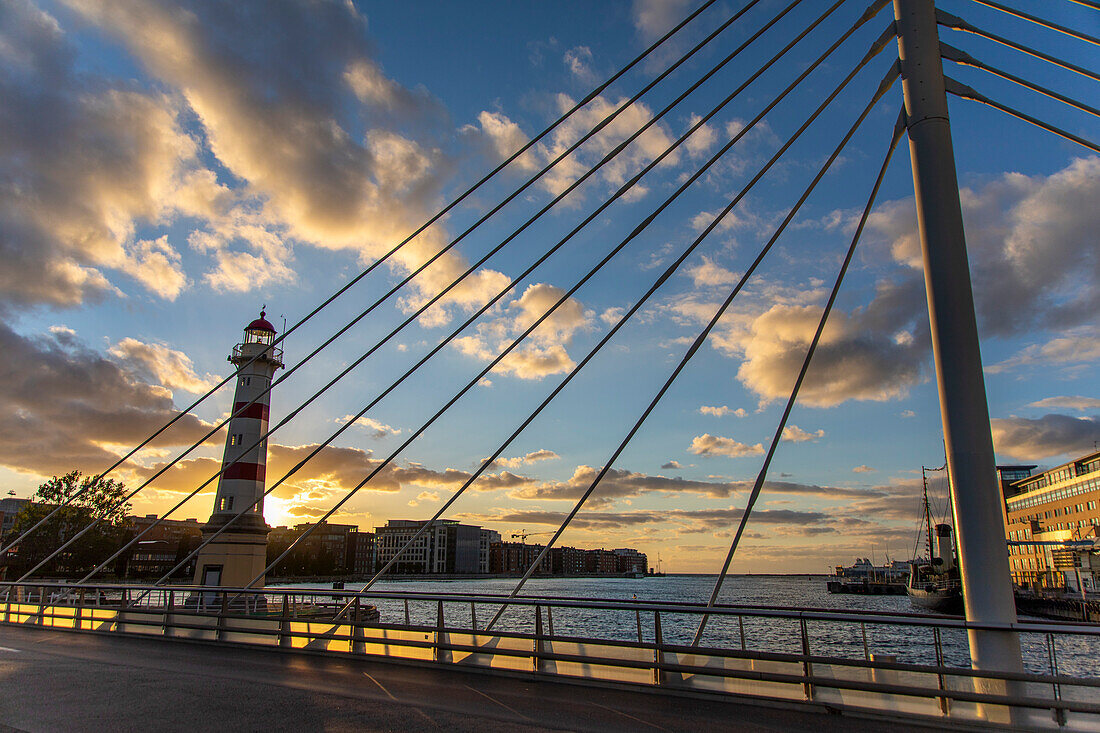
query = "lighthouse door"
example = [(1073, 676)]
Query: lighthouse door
[(211, 577)]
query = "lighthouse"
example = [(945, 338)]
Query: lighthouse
[(239, 554)]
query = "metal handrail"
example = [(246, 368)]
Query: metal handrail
[(674, 607)]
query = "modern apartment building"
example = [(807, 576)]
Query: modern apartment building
[(1052, 525)]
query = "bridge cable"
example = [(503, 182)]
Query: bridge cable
[(961, 90), (472, 268), (487, 462), (963, 58), (501, 294), (436, 217), (1040, 21), (899, 129), (1087, 4), (485, 307), (866, 16), (958, 24), (886, 83)]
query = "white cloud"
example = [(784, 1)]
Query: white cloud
[(722, 411), (863, 469), (1072, 403), (174, 369), (795, 434), (526, 460), (671, 465), (716, 445), (376, 428)]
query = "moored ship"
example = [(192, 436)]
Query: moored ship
[(936, 584)]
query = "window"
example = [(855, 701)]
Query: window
[(236, 439), (225, 504), (246, 381)]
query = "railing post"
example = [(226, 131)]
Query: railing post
[(358, 644), (807, 667), (407, 622), (221, 616), (741, 628), (976, 495), (658, 651), (945, 702), (550, 620), (638, 620), (438, 654), (284, 623), (169, 607), (866, 649), (473, 616), (1052, 657), (536, 655)]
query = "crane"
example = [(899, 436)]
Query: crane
[(524, 534)]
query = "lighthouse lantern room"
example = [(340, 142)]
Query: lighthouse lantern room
[(239, 553)]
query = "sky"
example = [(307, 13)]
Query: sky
[(169, 168)]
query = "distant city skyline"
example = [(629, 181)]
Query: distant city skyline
[(173, 167)]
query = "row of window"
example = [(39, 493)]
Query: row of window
[(260, 381), (1025, 563), (1081, 487)]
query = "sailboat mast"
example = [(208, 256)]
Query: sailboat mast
[(927, 515)]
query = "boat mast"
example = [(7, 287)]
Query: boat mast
[(927, 516)]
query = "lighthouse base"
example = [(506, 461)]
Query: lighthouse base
[(233, 559)]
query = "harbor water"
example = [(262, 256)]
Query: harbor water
[(1074, 655)]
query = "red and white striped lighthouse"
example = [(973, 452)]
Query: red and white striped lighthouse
[(239, 553)]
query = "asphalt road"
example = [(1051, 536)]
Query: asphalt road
[(64, 681)]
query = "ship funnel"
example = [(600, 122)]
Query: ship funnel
[(944, 554)]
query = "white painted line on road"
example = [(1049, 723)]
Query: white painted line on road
[(9, 649)]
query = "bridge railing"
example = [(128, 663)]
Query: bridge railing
[(902, 664)]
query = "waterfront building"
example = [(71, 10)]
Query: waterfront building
[(601, 562), (567, 560), (239, 554), (9, 510), (630, 560), (446, 547), (1052, 520), (360, 553), (162, 547)]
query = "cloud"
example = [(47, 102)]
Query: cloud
[(526, 460), (1044, 437), (795, 434), (907, 414), (1032, 246), (171, 368), (334, 187), (707, 274), (111, 158), (722, 411), (500, 133), (1075, 346), (863, 469), (654, 18), (696, 520), (376, 428), (671, 465), (1072, 403), (625, 484), (715, 445), (65, 406), (861, 355), (543, 352), (579, 62)]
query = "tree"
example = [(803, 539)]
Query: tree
[(93, 499)]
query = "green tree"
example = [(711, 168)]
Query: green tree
[(93, 498)]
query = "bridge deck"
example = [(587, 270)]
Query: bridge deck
[(55, 680)]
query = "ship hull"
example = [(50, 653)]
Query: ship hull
[(939, 600)]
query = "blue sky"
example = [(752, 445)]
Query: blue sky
[(172, 167)]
